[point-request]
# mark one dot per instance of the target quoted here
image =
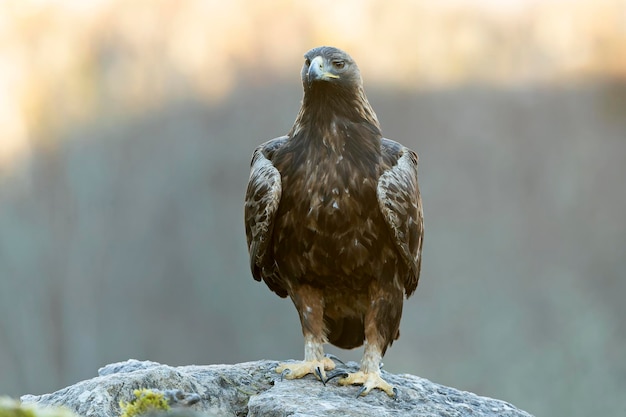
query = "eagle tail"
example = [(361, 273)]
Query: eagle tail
[(345, 332)]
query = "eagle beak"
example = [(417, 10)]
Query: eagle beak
[(317, 72)]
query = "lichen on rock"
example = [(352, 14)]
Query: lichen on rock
[(146, 401)]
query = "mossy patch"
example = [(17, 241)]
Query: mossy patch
[(146, 401)]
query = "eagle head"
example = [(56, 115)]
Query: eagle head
[(326, 67), (333, 93)]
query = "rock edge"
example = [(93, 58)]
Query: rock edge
[(254, 389)]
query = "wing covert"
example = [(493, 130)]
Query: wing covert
[(401, 204), (262, 199)]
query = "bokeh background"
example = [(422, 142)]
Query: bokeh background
[(126, 130)]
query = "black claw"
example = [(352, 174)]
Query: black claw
[(395, 393), (361, 391), (338, 372), (318, 372), (283, 373), (334, 358)]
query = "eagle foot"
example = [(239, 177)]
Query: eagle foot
[(300, 369), (369, 381), (337, 373)]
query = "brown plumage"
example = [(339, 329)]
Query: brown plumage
[(334, 220)]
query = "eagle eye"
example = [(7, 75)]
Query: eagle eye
[(339, 64)]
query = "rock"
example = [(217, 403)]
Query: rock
[(254, 389)]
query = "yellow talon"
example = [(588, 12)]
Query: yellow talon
[(369, 381), (300, 369)]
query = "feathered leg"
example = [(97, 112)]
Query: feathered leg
[(310, 305), (382, 321), (369, 374)]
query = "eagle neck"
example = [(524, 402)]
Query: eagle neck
[(325, 108)]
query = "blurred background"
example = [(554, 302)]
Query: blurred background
[(126, 130)]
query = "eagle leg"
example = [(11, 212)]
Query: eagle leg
[(314, 362), (377, 337), (369, 374), (309, 303)]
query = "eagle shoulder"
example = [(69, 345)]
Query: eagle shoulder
[(263, 196), (401, 205)]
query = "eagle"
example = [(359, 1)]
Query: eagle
[(334, 220)]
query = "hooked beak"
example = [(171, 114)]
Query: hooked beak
[(318, 72)]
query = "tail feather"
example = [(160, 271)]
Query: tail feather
[(346, 332)]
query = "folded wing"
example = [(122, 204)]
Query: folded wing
[(262, 199), (401, 204)]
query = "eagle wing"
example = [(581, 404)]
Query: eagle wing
[(262, 199), (401, 204)]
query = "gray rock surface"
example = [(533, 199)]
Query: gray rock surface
[(254, 389)]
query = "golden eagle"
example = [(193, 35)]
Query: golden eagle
[(334, 220)]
